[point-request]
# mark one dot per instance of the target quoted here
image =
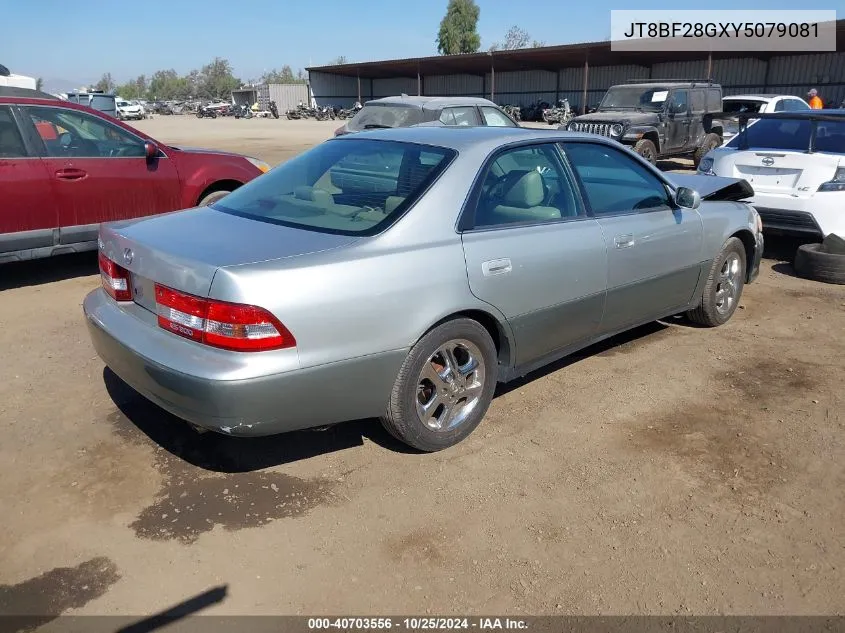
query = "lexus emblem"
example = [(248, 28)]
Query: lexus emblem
[(127, 256), (768, 161)]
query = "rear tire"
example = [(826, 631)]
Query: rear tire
[(444, 387), (647, 150), (723, 288), (710, 142), (213, 197), (811, 262)]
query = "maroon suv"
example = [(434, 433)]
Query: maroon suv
[(65, 168)]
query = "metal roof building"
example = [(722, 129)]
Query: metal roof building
[(580, 73)]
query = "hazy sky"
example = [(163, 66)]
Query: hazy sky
[(80, 40)]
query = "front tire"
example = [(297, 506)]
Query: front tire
[(213, 197), (647, 150), (723, 288), (444, 387)]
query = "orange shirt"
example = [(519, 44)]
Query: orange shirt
[(816, 103)]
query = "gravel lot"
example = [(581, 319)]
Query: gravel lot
[(671, 470)]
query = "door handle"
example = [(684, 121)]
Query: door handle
[(623, 241), (496, 267), (71, 174)]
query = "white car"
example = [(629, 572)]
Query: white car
[(126, 110), (760, 104), (795, 162)]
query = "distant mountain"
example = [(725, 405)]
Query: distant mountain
[(54, 86)]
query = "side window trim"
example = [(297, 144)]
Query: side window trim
[(664, 183), (466, 218)]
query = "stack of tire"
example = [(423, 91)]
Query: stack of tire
[(822, 262)]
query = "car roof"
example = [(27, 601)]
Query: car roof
[(25, 93), (760, 97), (647, 83), (431, 103), (461, 138)]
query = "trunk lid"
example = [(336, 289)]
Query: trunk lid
[(775, 171), (184, 250)]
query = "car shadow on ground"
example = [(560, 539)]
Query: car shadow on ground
[(48, 270), (220, 453)]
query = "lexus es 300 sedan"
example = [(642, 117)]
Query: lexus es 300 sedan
[(401, 273)]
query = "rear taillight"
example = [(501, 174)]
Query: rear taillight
[(115, 279), (232, 326)]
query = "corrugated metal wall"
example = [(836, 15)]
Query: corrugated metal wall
[(286, 96), (394, 86), (789, 74)]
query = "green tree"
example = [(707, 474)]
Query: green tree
[(106, 83), (39, 84), (133, 89), (458, 29), (516, 38), (166, 84), (340, 60), (283, 76), (216, 80)]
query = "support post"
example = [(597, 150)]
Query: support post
[(709, 65), (557, 87), (492, 79), (359, 87), (586, 83)]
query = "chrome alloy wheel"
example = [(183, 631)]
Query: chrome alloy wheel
[(728, 287), (450, 385)]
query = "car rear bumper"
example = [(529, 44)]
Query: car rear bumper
[(261, 405), (812, 217)]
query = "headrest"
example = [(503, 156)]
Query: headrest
[(526, 192)]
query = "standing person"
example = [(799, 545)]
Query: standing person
[(815, 100)]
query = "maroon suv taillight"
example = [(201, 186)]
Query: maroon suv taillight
[(232, 326), (115, 279)]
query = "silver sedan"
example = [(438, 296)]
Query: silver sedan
[(402, 273)]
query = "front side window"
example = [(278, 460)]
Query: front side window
[(11, 143), (614, 182), (352, 186), (69, 133), (525, 185), (679, 102), (458, 116), (495, 118)]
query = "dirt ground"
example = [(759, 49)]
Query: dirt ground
[(673, 470)]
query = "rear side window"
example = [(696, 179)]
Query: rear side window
[(714, 100), (374, 116), (11, 143), (697, 101), (459, 116), (350, 187)]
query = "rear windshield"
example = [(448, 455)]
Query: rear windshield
[(742, 106), (385, 115), (791, 134), (351, 186)]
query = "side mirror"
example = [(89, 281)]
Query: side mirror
[(150, 150), (687, 198)]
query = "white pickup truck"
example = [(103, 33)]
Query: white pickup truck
[(16, 81)]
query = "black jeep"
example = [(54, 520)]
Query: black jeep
[(658, 118)]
